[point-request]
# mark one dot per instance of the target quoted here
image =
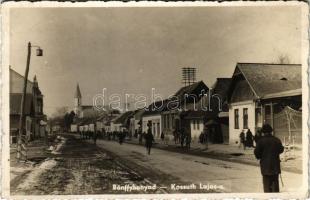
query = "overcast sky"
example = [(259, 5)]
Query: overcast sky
[(134, 49)]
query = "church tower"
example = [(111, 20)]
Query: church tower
[(77, 100)]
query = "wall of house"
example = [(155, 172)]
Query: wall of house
[(115, 127), (99, 126), (233, 132), (73, 128), (196, 129), (156, 124), (169, 123)]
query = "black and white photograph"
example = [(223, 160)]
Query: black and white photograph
[(155, 100)]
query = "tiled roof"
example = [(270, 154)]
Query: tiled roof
[(191, 89), (219, 90), (221, 86), (123, 118), (268, 79)]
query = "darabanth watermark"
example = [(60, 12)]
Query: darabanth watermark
[(205, 101)]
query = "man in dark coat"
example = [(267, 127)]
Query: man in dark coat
[(267, 150), (242, 139), (149, 140), (249, 139), (257, 136), (121, 137)]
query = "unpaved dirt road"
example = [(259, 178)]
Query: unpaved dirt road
[(80, 167), (83, 168)]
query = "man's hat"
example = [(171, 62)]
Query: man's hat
[(267, 128)]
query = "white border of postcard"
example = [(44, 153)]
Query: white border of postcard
[(5, 98)]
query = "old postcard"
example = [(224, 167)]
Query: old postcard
[(154, 100)]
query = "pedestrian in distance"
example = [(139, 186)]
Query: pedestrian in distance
[(201, 137), (205, 136), (257, 136), (182, 140), (249, 139), (120, 137), (175, 135), (149, 139), (188, 141), (95, 136), (162, 136), (109, 135), (268, 150), (140, 137), (242, 139)]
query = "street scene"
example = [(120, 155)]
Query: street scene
[(156, 100)]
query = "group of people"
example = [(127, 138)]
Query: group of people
[(246, 139), (89, 135), (182, 137)]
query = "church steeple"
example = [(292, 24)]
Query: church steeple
[(78, 92), (77, 100), (35, 82)]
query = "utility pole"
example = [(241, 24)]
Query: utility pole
[(21, 148), (22, 136)]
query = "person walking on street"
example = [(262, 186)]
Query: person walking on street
[(182, 140), (162, 136), (140, 137), (188, 141), (242, 139), (149, 140), (95, 135), (175, 136), (257, 136), (121, 136), (249, 139), (205, 136), (267, 150)]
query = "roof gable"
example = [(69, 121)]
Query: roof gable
[(266, 79), (17, 83)]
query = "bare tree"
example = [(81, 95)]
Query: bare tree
[(60, 112)]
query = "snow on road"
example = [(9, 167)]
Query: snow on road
[(33, 177), (56, 149), (233, 176)]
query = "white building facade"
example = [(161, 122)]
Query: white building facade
[(241, 117), (156, 121)]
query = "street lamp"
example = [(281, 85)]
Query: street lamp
[(21, 136)]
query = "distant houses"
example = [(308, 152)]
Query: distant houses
[(207, 113), (265, 93), (255, 94), (185, 100), (34, 115)]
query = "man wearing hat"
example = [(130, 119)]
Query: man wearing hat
[(149, 139), (267, 150)]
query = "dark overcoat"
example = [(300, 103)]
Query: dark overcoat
[(267, 150), (149, 138)]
